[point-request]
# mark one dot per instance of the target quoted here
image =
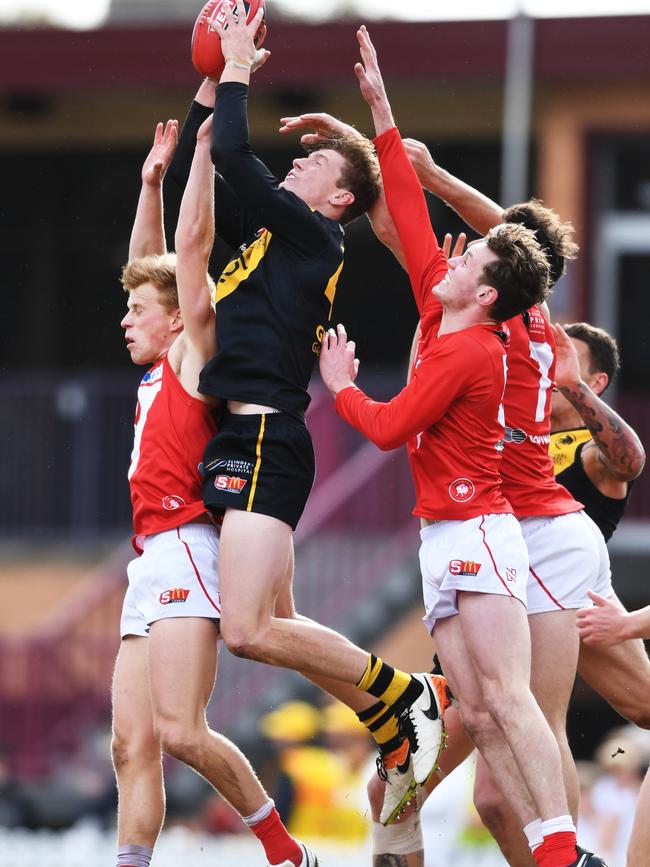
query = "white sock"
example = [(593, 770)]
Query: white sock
[(557, 825), (261, 814), (135, 856), (533, 832), (398, 839)]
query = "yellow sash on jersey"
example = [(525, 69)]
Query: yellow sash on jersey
[(563, 446), (241, 268)]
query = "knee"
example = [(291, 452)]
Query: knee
[(243, 639), (133, 748), (177, 740), (490, 806), (478, 723)]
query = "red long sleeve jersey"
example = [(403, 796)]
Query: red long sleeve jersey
[(449, 413), (527, 469)]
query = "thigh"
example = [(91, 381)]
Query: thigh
[(565, 561), (132, 713), (255, 558), (182, 667), (554, 659)]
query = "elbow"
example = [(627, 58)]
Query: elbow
[(637, 463), (221, 152), (193, 240), (387, 443)]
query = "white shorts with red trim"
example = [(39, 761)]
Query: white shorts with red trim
[(175, 576), (486, 554), (568, 556)]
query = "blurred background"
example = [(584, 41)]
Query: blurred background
[(513, 99)]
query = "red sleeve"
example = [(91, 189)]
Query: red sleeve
[(439, 379), (425, 261)]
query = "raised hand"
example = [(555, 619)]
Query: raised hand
[(606, 623), (160, 156), (323, 127), (459, 246), (338, 366), (238, 36), (567, 363), (370, 80)]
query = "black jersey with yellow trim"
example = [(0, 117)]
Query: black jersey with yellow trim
[(274, 298), (566, 450)]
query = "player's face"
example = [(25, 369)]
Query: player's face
[(314, 178), (149, 328), (459, 288)]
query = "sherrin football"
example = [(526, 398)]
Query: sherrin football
[(206, 45)]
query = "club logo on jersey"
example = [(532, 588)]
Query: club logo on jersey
[(464, 567), (316, 345), (462, 490), (231, 484), (176, 594), (171, 502), (515, 435), (152, 376), (511, 576)]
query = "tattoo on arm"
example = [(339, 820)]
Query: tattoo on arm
[(619, 447), (413, 859)]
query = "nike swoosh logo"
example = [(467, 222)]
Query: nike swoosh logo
[(403, 768), (432, 713)]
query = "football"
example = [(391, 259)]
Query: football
[(206, 45)]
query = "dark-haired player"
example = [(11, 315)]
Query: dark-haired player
[(450, 413), (273, 304)]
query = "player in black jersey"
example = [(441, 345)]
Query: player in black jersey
[(273, 304), (595, 452)]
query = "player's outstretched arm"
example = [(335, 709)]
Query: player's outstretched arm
[(194, 240), (474, 208), (148, 233), (609, 623), (618, 450)]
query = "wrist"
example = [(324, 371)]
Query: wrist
[(235, 61), (632, 626)]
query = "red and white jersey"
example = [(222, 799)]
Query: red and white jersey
[(171, 432), (527, 468)]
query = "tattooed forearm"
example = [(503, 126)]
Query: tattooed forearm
[(413, 859), (620, 448)]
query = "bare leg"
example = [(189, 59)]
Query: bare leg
[(501, 673), (638, 850), (621, 675), (554, 641), (136, 751), (183, 662), (251, 577)]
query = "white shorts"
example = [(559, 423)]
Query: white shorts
[(175, 576), (568, 556), (486, 554)]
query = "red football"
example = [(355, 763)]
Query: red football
[(206, 45)]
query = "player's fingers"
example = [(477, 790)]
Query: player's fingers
[(351, 346), (356, 367), (459, 246), (446, 245), (342, 334), (158, 132), (596, 598)]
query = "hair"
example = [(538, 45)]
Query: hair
[(554, 236), (361, 175), (520, 274), (160, 271), (604, 356)]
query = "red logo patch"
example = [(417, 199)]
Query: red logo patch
[(464, 567), (172, 502), (176, 594), (462, 490), (232, 484)]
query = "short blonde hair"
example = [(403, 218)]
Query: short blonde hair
[(160, 271)]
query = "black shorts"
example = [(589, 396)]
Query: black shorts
[(259, 463)]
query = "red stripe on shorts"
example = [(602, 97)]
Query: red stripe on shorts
[(492, 558), (196, 572), (545, 589)]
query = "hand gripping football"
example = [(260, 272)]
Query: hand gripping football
[(206, 45)]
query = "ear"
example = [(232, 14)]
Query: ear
[(341, 199), (176, 321), (599, 382), (486, 296)]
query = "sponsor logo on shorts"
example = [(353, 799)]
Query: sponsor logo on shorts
[(464, 567), (172, 502), (462, 490), (232, 466), (176, 594), (511, 575), (231, 484)]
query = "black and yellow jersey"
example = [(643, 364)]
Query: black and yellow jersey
[(274, 299), (566, 448)]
